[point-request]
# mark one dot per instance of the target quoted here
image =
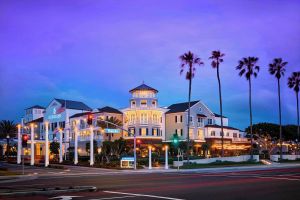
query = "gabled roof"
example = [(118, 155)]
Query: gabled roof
[(217, 115), (143, 87), (108, 109), (35, 106), (217, 126), (77, 105), (80, 114), (180, 107), (38, 120)]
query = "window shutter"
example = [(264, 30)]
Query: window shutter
[(175, 118), (180, 118), (140, 131), (146, 131)]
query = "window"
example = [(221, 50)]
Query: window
[(143, 103), (132, 118), (144, 131), (176, 131), (154, 131), (155, 120), (239, 135), (180, 118), (209, 121), (133, 104), (234, 135), (144, 118), (154, 103), (132, 131), (213, 133), (181, 132), (175, 118), (221, 133), (227, 134), (191, 119), (200, 133)]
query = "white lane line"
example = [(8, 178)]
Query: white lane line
[(114, 197), (143, 195)]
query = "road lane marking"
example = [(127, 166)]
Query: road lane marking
[(142, 195), (106, 198)]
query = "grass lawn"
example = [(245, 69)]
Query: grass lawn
[(219, 164)]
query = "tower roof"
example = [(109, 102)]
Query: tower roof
[(143, 87)]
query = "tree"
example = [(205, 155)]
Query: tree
[(217, 58), (189, 61), (111, 122), (277, 68), (205, 147), (8, 130), (247, 67), (54, 147), (294, 83), (88, 146)]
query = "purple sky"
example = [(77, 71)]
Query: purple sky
[(96, 51)]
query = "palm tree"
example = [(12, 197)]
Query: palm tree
[(217, 58), (189, 61), (111, 122), (8, 130), (277, 68), (248, 68), (294, 83)]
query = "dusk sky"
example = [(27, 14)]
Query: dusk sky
[(96, 51)]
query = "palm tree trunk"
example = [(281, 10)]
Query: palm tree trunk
[(7, 147), (250, 106), (189, 113), (280, 128), (298, 131), (221, 109)]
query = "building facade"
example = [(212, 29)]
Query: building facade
[(144, 117)]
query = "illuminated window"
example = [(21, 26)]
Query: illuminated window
[(143, 103), (144, 131), (154, 132), (144, 118)]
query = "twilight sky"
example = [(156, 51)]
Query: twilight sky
[(96, 51)]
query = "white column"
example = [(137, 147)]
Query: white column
[(19, 145), (150, 157), (60, 146), (76, 144), (92, 146), (166, 158), (46, 145), (32, 144)]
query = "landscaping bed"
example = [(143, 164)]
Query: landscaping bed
[(218, 164)]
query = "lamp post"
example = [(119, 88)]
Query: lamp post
[(46, 144), (32, 144), (91, 146), (150, 157), (166, 157), (19, 145), (60, 146)]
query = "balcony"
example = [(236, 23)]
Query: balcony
[(200, 124)]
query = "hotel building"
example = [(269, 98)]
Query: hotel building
[(144, 117)]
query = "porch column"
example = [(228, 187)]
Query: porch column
[(92, 146), (76, 144), (166, 158), (32, 144), (46, 145), (19, 145), (150, 157), (60, 146)]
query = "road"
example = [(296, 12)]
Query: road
[(273, 183)]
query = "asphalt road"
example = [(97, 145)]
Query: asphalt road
[(279, 183)]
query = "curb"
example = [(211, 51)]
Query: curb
[(50, 191)]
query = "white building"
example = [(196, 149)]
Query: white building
[(143, 116)]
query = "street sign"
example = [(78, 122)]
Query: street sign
[(111, 130)]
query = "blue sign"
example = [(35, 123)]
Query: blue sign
[(127, 159), (111, 130)]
